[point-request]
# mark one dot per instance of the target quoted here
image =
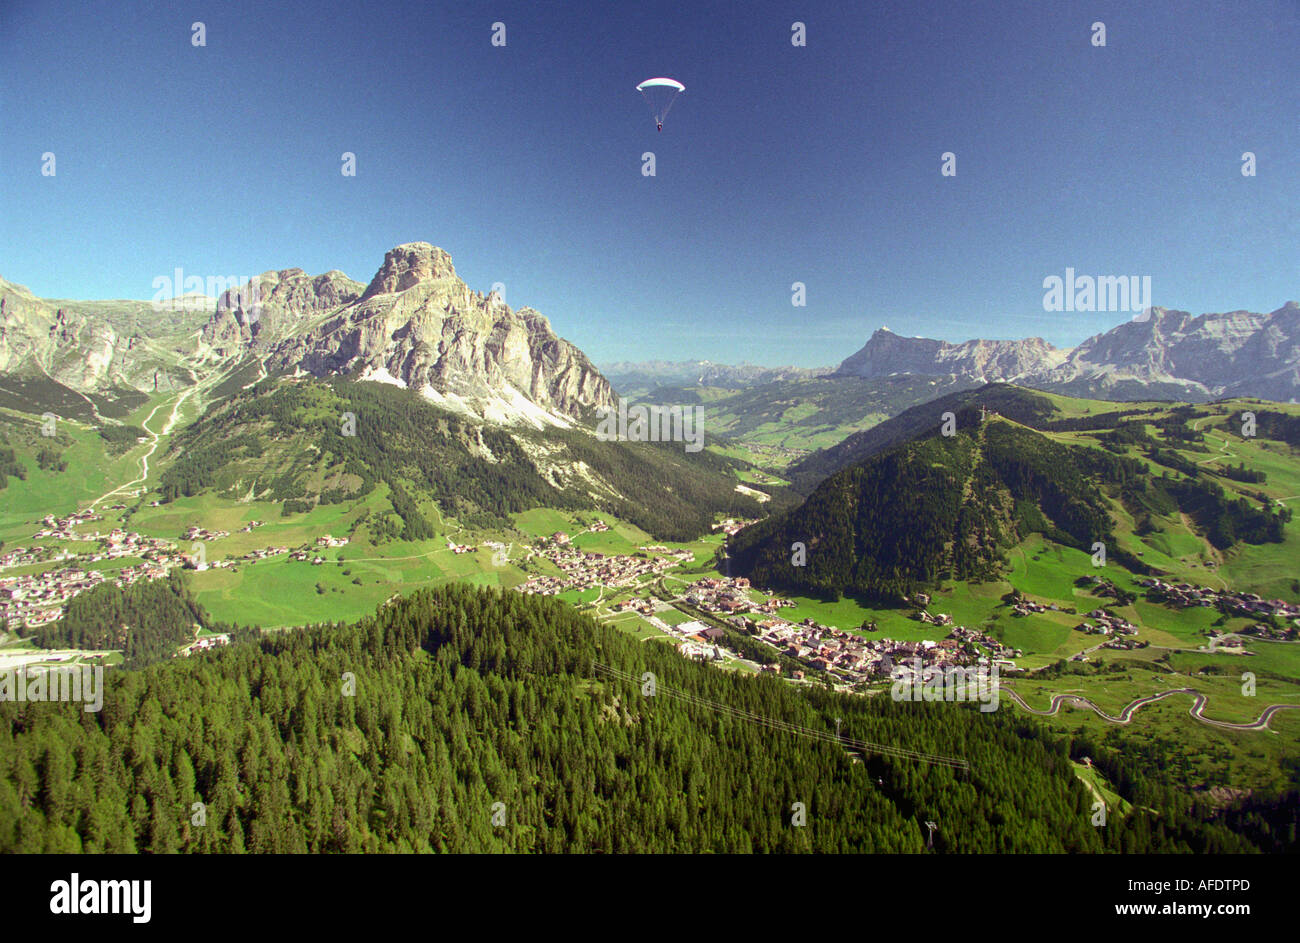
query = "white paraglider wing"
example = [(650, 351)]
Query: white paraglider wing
[(660, 93)]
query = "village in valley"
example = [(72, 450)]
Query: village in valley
[(672, 594), (725, 620), (73, 554)]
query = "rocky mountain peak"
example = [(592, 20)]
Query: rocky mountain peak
[(408, 265), (419, 326)]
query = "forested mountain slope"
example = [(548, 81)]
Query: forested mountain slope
[(949, 506), (307, 442), (463, 699)]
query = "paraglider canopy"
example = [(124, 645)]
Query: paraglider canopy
[(659, 94)]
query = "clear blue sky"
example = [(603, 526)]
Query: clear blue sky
[(778, 164)]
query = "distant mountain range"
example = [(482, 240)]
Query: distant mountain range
[(418, 326), (629, 377), (1165, 355)]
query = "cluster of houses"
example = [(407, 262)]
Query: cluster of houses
[(973, 640), (846, 655), (26, 556), (932, 618), (1265, 631), (263, 553), (682, 556), (205, 643), (1185, 595), (1105, 623), (584, 569), (62, 527), (855, 659), (729, 596), (1126, 644), (142, 571), (645, 607), (248, 528), (34, 599), (124, 543), (195, 532), (1101, 587), (1024, 607), (40, 598), (113, 544), (303, 553)]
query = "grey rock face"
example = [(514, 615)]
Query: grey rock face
[(1167, 354), (419, 325)]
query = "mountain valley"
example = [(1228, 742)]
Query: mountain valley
[(322, 452)]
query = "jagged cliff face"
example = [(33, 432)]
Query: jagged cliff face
[(24, 323), (418, 325), (1168, 354)]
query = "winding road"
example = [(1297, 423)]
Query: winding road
[(155, 438), (1223, 449), (1197, 709)]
